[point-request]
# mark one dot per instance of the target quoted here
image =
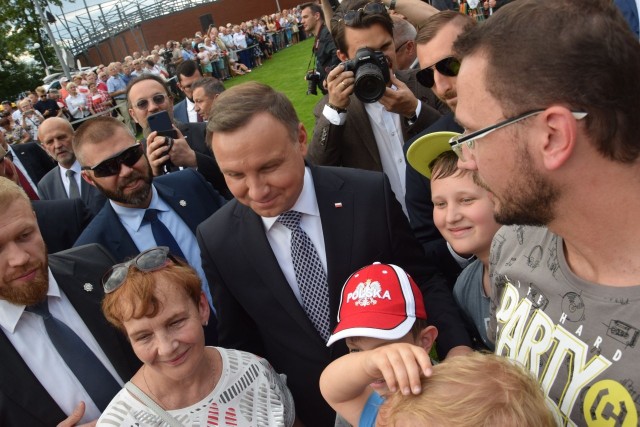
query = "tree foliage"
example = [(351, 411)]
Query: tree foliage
[(20, 28)]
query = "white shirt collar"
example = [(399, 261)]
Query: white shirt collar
[(74, 167), (306, 204), (10, 313)]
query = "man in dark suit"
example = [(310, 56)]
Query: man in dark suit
[(37, 388), (352, 133), (148, 94), (63, 181), (113, 163), (187, 74), (267, 302), (31, 164)]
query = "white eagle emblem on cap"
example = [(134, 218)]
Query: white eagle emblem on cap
[(368, 293)]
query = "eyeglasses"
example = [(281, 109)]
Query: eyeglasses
[(469, 140), (158, 99), (111, 166), (449, 66), (352, 17), (401, 46), (150, 260)]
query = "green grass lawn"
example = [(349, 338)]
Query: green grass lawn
[(285, 72)]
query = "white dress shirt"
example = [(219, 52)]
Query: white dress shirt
[(279, 236), (27, 334), (65, 179), (191, 111)]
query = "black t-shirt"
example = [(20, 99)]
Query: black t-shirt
[(48, 108)]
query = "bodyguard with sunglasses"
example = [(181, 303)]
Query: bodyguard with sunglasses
[(439, 69), (142, 211), (369, 136)]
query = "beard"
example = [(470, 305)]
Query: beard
[(28, 293), (529, 200), (135, 198)]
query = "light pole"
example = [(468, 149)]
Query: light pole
[(46, 67), (45, 24)]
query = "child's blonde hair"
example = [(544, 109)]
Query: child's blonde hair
[(478, 389)]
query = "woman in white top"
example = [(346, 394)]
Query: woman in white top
[(76, 103), (157, 301)]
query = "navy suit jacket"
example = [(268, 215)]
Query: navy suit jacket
[(35, 160), (258, 311), (51, 187), (180, 111), (23, 400), (186, 191), (61, 221)]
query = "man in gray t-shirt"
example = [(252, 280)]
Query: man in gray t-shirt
[(557, 143)]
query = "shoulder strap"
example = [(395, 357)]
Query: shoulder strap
[(144, 398)]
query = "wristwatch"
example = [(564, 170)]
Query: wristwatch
[(338, 109)]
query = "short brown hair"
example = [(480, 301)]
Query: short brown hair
[(477, 389), (235, 107), (591, 65), (135, 299), (446, 165), (431, 26), (338, 26), (10, 192), (95, 131)]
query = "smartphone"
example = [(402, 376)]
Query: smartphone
[(161, 122)]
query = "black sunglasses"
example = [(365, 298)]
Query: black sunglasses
[(352, 17), (158, 99), (111, 166), (150, 260), (447, 67)]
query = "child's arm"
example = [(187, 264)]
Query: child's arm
[(344, 383)]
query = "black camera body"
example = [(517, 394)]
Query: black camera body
[(371, 70), (313, 82)]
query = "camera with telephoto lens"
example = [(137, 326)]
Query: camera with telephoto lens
[(371, 70), (313, 81)]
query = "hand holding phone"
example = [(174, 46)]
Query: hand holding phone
[(161, 123)]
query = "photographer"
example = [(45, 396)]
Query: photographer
[(369, 135), (31, 118), (324, 49)]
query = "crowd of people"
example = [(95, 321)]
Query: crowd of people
[(426, 255)]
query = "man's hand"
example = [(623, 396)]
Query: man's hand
[(180, 153), (400, 101), (75, 418), (340, 86)]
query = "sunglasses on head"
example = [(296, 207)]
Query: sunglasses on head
[(158, 99), (150, 260), (111, 166), (447, 67), (352, 17)]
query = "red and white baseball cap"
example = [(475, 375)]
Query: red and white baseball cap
[(378, 301)]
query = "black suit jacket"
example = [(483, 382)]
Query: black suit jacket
[(51, 187), (61, 221), (257, 309), (23, 400), (196, 134), (35, 160)]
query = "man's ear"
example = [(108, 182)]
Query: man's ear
[(341, 56), (86, 177), (560, 138)]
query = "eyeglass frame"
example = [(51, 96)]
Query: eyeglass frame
[(115, 156), (164, 250), (458, 141), (147, 101)]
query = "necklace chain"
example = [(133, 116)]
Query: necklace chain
[(144, 377)]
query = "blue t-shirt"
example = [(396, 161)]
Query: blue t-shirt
[(370, 410)]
